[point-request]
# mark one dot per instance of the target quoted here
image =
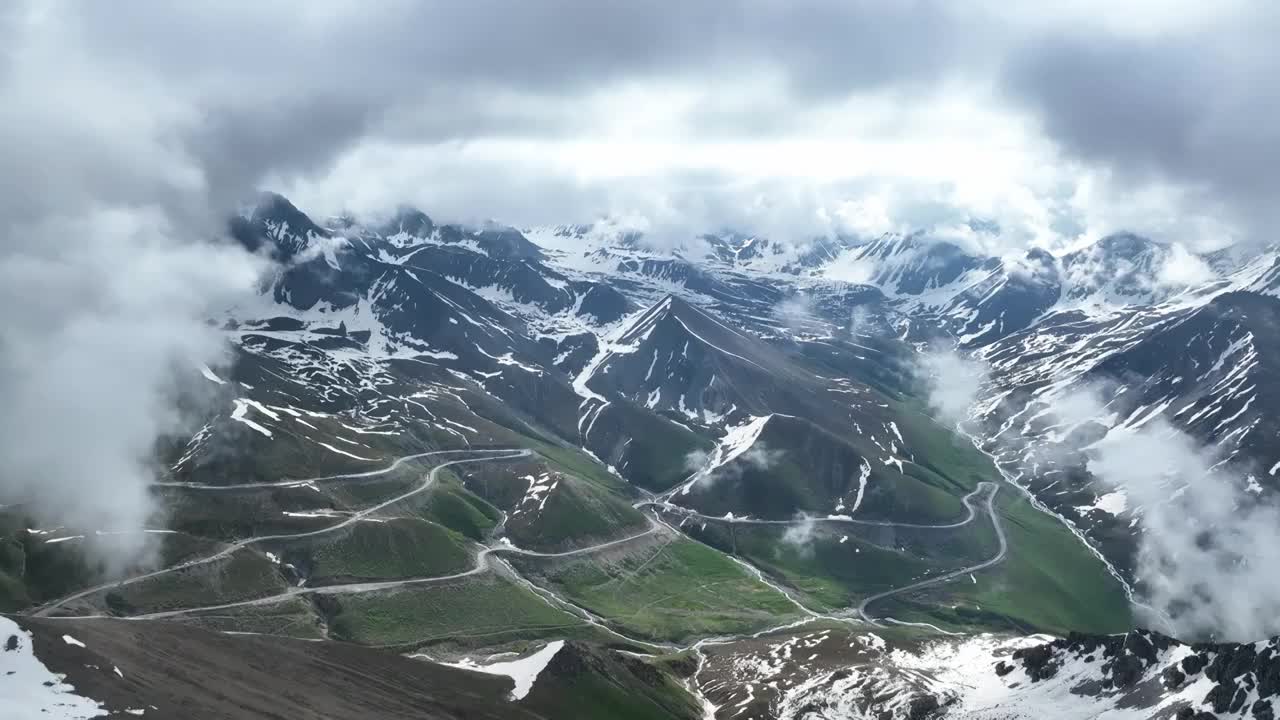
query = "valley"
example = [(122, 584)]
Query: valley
[(465, 446)]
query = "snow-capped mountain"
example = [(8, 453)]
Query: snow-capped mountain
[(1134, 675), (702, 336), (709, 466)]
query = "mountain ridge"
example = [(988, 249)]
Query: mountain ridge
[(473, 443)]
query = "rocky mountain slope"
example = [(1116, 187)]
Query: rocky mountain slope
[(703, 479)]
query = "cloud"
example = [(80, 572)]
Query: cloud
[(1207, 544), (954, 382), (494, 46), (1182, 108), (799, 315), (782, 119), (756, 457), (1207, 547), (986, 110), (760, 457), (501, 69), (696, 460), (1183, 269), (861, 322), (800, 534), (850, 268), (118, 177), (91, 371)]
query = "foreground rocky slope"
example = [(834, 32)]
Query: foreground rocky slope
[(836, 674), (162, 670), (104, 668)]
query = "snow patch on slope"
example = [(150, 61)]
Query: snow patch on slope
[(735, 442), (523, 671), (29, 690)]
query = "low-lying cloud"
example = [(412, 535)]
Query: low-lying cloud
[(92, 370), (706, 471), (798, 314), (800, 534), (954, 382), (1208, 548), (1208, 544), (118, 179), (696, 460)]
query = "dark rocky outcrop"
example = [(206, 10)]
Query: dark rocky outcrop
[(1237, 670)]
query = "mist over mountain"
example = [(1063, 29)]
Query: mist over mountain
[(896, 460), (818, 360)]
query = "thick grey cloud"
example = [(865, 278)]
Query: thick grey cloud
[(234, 92), (1208, 545), (237, 146), (128, 130), (556, 47), (1194, 108), (1183, 104), (114, 192)]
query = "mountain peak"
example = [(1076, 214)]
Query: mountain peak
[(276, 221), (409, 220), (1126, 241)]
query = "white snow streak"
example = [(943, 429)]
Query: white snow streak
[(523, 671)]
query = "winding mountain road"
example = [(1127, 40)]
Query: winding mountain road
[(990, 489), (481, 565), (303, 481), (427, 481), (482, 558), (951, 575), (971, 513)]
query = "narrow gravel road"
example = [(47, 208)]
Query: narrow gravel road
[(967, 500), (427, 481), (1000, 555), (481, 565)]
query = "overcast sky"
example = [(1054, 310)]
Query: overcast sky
[(129, 130), (786, 117)]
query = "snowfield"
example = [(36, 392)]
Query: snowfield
[(27, 688), (523, 671)]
